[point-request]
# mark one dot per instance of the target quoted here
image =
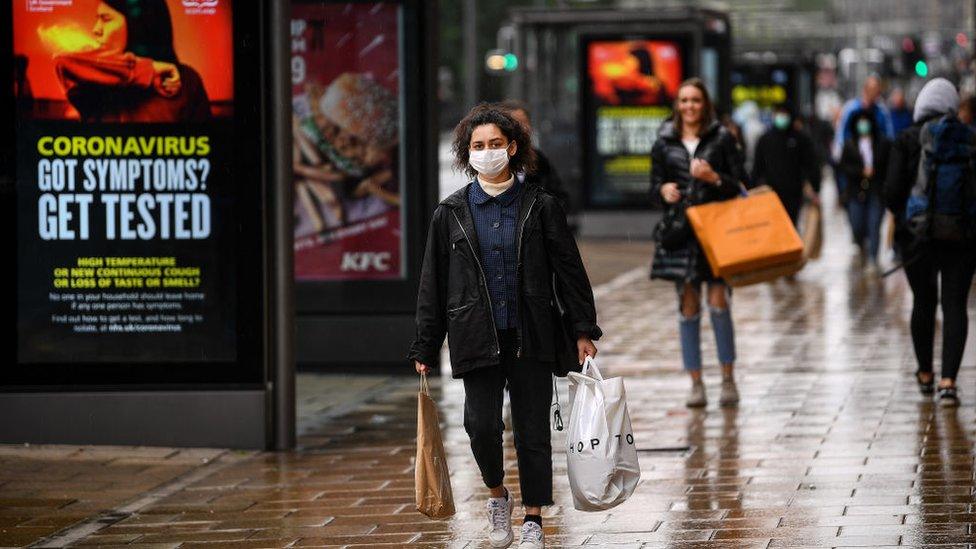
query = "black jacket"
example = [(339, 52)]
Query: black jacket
[(852, 165), (670, 162), (784, 160), (453, 298), (546, 177)]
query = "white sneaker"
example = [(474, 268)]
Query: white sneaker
[(532, 536), (500, 522)]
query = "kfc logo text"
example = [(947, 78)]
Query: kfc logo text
[(366, 261)]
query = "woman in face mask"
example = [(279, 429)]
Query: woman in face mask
[(786, 160), (864, 162), (496, 250)]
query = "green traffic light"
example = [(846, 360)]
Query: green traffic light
[(511, 62), (921, 69)]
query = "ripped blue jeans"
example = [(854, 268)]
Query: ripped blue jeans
[(690, 330)]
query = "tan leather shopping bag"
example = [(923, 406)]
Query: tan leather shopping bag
[(745, 234), (766, 274), (432, 479)]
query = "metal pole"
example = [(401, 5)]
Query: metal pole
[(472, 67), (281, 276)]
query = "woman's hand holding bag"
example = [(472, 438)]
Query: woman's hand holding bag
[(601, 450)]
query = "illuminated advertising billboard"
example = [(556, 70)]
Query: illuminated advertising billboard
[(131, 185), (346, 102), (628, 92)]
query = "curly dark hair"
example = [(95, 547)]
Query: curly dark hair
[(523, 161)]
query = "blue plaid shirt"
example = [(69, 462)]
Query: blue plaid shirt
[(495, 220)]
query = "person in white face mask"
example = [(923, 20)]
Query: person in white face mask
[(498, 252), (786, 160)]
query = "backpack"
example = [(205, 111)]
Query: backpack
[(942, 204)]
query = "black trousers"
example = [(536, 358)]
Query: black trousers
[(955, 267), (529, 385)]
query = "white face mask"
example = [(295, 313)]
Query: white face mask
[(489, 162)]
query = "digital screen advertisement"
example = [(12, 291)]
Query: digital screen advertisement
[(346, 89), (630, 89), (765, 86), (125, 181)]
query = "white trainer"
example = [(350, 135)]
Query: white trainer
[(532, 536), (500, 522)]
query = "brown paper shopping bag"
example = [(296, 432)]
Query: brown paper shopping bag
[(812, 231), (746, 234), (431, 478)]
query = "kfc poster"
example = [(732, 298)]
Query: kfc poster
[(126, 185), (631, 85), (346, 125)]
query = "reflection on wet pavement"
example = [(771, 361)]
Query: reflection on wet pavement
[(831, 446)]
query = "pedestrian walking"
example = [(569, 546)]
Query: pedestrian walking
[(495, 250), (948, 260), (786, 160), (864, 163), (545, 173), (695, 161), (901, 112), (870, 99)]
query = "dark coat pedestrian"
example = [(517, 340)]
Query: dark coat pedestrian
[(786, 159), (502, 278), (938, 272), (546, 176), (853, 163), (452, 299)]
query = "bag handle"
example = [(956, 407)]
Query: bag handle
[(557, 417), (590, 369), (424, 385)]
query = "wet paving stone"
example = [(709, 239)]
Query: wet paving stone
[(831, 445)]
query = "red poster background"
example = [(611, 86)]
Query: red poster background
[(203, 41), (617, 75)]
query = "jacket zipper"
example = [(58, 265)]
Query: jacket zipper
[(484, 282), (518, 268)]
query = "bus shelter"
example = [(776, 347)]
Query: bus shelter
[(599, 83)]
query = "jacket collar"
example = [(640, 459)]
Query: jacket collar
[(668, 131), (458, 200), (458, 203), (479, 196)]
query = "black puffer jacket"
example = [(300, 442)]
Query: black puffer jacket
[(453, 296), (670, 162)]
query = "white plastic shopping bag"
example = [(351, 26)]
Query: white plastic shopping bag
[(601, 451)]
